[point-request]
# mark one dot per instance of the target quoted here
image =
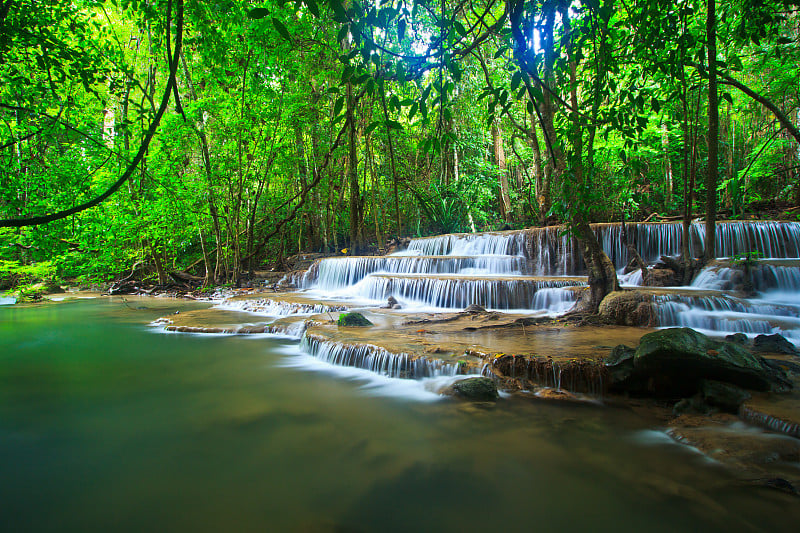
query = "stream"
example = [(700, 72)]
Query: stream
[(108, 424)]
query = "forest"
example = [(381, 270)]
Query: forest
[(220, 138)]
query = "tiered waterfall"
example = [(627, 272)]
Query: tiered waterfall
[(540, 271)]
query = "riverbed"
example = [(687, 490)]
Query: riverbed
[(109, 424)]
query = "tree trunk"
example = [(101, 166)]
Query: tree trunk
[(500, 161), (713, 134), (352, 174)]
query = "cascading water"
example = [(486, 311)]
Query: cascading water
[(452, 272), (527, 271), (379, 360), (773, 307)]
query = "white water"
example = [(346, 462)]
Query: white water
[(504, 271)]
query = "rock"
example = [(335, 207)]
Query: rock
[(474, 309), (673, 362), (661, 277), (475, 389), (353, 320), (629, 308), (397, 306), (737, 338), (549, 393), (691, 406), (52, 287), (723, 395), (774, 344)]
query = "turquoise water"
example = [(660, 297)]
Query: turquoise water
[(108, 425)]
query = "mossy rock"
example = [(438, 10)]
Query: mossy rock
[(353, 320), (475, 389), (674, 362), (774, 344)]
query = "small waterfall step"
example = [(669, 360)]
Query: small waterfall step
[(780, 275), (379, 360), (448, 291), (333, 273)]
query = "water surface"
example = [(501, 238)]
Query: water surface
[(108, 425)]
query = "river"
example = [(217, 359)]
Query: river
[(107, 424)]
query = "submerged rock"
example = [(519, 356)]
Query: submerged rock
[(475, 389), (774, 344), (673, 363), (353, 320)]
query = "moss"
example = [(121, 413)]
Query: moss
[(353, 320)]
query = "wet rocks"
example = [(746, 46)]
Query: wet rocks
[(674, 363), (353, 320), (629, 308), (660, 276), (737, 338), (774, 344), (392, 303), (723, 395), (475, 389), (474, 309)]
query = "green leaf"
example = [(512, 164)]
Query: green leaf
[(347, 73), (372, 127), (258, 13), (401, 29), (412, 111), (312, 6), (393, 125), (728, 97), (337, 107), (459, 28), (516, 79), (281, 29)]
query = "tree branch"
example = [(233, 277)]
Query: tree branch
[(35, 221)]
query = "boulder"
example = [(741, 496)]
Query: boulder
[(673, 363), (774, 344), (629, 308), (475, 389), (353, 320), (662, 277), (737, 338)]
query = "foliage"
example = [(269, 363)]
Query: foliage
[(598, 106)]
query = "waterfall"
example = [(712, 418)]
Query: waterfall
[(527, 270), (459, 292), (725, 314), (379, 360), (652, 240), (336, 273)]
